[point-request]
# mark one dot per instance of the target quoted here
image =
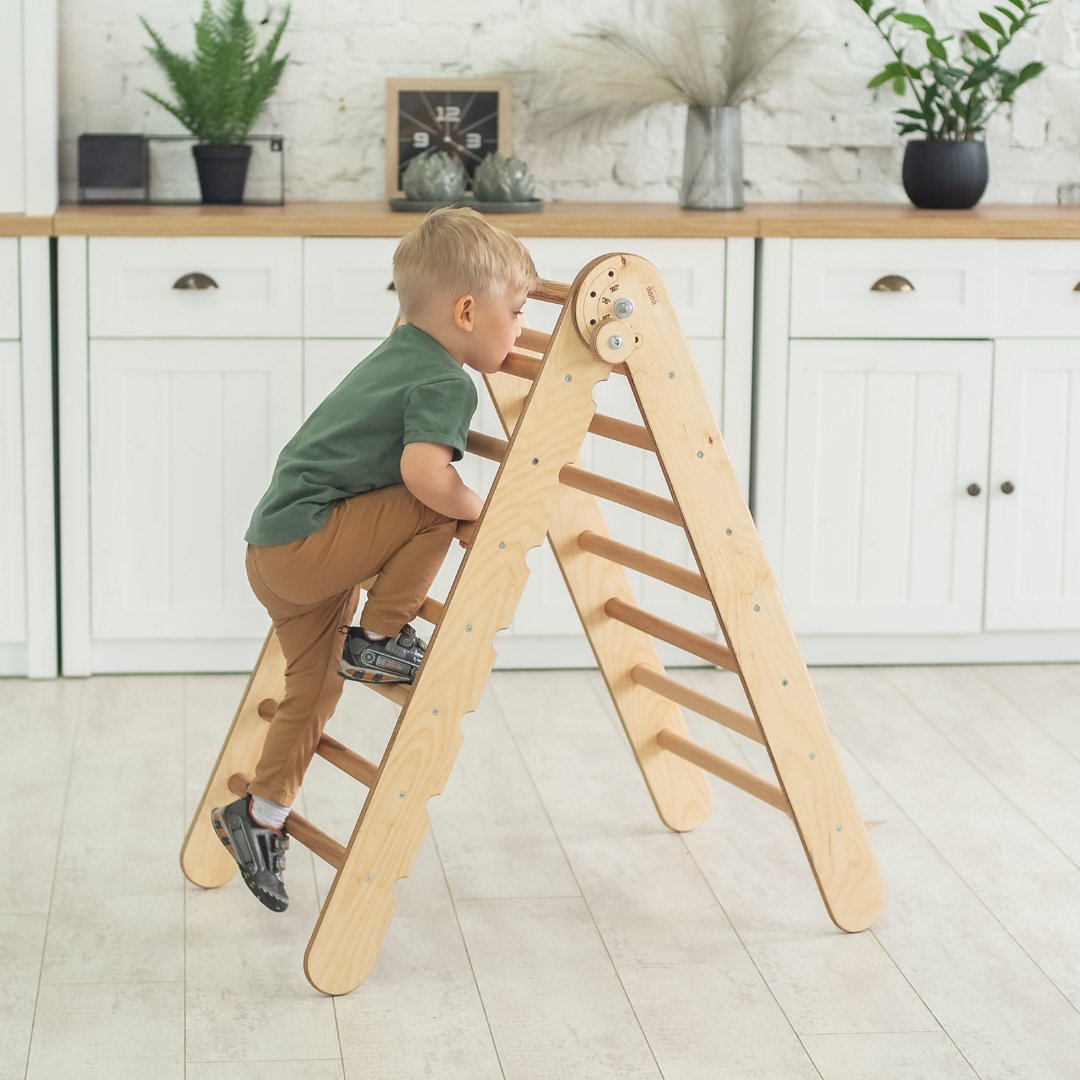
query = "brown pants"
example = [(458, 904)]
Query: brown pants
[(310, 587)]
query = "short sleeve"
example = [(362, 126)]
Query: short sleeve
[(439, 412)]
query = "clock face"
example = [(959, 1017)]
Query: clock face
[(461, 122)]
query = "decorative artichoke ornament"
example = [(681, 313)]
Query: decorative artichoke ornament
[(434, 177), (503, 179)]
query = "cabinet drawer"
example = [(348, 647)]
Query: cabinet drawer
[(9, 289), (891, 288), (1038, 288), (137, 287), (347, 288), (693, 271)]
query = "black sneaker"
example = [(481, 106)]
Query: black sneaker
[(393, 660), (258, 850)]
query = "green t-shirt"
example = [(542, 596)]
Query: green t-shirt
[(410, 389)]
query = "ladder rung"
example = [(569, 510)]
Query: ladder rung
[(672, 633), (348, 761), (622, 431), (624, 494), (552, 292), (337, 753), (633, 559), (693, 699), (486, 446), (327, 848), (721, 767), (534, 340), (524, 367), (431, 609)]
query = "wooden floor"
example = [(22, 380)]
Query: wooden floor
[(553, 929)]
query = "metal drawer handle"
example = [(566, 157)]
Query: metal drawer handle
[(1008, 487), (195, 281), (892, 283)]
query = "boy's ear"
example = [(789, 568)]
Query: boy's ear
[(464, 311)]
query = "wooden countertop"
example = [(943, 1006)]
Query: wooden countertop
[(605, 219), (22, 225)]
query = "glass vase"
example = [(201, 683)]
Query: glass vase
[(712, 158)]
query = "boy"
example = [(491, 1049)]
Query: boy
[(366, 487)]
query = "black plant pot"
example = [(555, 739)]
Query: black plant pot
[(222, 171), (940, 174)]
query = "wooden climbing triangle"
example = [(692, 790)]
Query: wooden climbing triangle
[(616, 319)]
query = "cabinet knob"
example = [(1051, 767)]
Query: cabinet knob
[(973, 490), (892, 283), (195, 280), (1008, 487)]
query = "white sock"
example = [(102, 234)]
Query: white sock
[(268, 813), (371, 636)]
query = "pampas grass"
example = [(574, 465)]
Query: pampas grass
[(695, 52)]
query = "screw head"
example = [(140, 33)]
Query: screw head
[(401, 794), (701, 453), (813, 756), (434, 712), (502, 544), (671, 374), (536, 461), (783, 682), (727, 532), (468, 628), (757, 607), (615, 342), (839, 828), (368, 877), (568, 378), (624, 307)]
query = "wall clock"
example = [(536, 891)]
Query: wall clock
[(466, 117)]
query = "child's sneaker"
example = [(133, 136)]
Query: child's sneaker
[(258, 850), (394, 659)]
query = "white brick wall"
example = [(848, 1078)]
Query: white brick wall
[(815, 133)]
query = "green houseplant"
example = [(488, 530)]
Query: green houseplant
[(219, 92), (958, 86), (709, 56)]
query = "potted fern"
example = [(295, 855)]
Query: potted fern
[(219, 93), (957, 89)]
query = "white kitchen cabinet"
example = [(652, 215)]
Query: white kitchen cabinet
[(28, 644), (185, 396), (917, 447), (1033, 553), (885, 487)]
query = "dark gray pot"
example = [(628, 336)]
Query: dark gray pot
[(222, 171), (943, 175)]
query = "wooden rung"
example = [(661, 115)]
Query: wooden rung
[(336, 753), (622, 431), (524, 367), (721, 767), (633, 559), (348, 761), (486, 446), (552, 292), (693, 699), (431, 610), (327, 848), (624, 494), (672, 633), (534, 341)]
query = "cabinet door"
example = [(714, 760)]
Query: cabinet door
[(1033, 571), (12, 532), (183, 439), (884, 439)]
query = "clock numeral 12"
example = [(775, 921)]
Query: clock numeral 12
[(447, 114)]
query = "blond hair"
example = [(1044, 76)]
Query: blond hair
[(454, 252)]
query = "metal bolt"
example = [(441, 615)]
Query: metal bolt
[(568, 378), (536, 461), (401, 794), (502, 544), (839, 828), (624, 307), (783, 682), (727, 532), (701, 453), (434, 712), (468, 628), (615, 341), (757, 607), (813, 757), (671, 374)]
